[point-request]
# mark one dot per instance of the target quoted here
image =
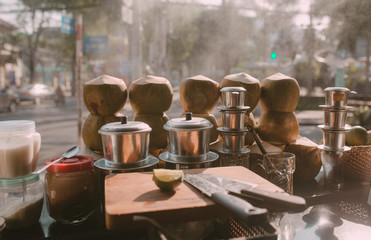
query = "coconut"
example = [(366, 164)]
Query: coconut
[(92, 124), (158, 136), (279, 93), (307, 157), (249, 120), (151, 94), (278, 127), (199, 94), (251, 84), (105, 95)]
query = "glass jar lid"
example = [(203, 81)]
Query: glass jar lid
[(16, 126), (19, 181), (74, 164), (124, 126), (188, 123)]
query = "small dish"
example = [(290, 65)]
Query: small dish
[(148, 162), (210, 157)]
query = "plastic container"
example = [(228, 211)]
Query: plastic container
[(19, 148), (71, 189), (21, 200)]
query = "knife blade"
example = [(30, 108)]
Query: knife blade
[(235, 205), (247, 190)]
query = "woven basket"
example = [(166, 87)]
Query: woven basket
[(358, 162)]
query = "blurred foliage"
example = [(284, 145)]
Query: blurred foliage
[(355, 78), (300, 72)]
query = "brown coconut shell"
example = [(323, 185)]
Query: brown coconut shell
[(279, 93), (92, 139), (251, 84), (357, 162), (151, 94), (158, 135), (199, 94), (278, 127), (105, 95), (307, 156)]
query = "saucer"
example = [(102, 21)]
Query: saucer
[(243, 151), (231, 109), (322, 147), (210, 156), (329, 129), (335, 108), (148, 162)]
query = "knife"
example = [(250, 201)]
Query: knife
[(246, 190), (239, 207)]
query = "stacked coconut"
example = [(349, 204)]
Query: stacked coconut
[(199, 95), (279, 126), (150, 97), (104, 97)]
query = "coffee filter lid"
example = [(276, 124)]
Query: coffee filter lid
[(188, 123), (16, 126), (124, 127)]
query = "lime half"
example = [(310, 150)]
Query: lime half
[(167, 179)]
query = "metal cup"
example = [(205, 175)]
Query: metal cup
[(337, 97), (233, 142), (335, 118), (334, 139), (233, 97), (233, 120)]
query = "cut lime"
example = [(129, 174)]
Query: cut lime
[(167, 179)]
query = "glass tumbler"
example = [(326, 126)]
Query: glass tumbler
[(280, 168)]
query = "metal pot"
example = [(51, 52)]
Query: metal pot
[(188, 138), (233, 97), (125, 142), (337, 97)]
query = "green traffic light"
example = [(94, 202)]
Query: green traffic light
[(273, 55)]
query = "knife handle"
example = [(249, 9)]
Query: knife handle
[(280, 200), (240, 207)]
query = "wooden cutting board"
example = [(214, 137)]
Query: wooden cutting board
[(129, 194)]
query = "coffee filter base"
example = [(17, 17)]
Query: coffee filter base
[(166, 157), (147, 162)]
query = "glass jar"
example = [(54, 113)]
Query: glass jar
[(21, 200), (19, 148), (71, 189)]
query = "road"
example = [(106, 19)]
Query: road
[(58, 124)]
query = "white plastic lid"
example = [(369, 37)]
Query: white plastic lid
[(17, 126)]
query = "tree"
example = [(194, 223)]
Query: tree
[(350, 22), (355, 21), (32, 20)]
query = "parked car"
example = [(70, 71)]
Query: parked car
[(37, 93), (8, 100)]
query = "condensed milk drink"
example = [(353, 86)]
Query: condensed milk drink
[(19, 148)]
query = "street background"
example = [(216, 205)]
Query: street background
[(58, 124)]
